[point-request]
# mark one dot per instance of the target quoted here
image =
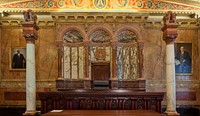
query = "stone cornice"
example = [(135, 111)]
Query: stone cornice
[(52, 19)]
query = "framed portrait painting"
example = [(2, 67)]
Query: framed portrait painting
[(17, 58), (183, 58)]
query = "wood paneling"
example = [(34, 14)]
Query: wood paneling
[(82, 99), (185, 96), (16, 96), (100, 71)]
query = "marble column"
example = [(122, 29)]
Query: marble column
[(169, 35), (30, 33)]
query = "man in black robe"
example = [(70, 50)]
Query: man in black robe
[(18, 60)]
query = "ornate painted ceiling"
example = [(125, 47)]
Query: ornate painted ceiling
[(51, 11), (155, 6)]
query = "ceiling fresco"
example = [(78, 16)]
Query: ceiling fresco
[(100, 5)]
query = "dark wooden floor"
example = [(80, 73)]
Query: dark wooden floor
[(104, 113)]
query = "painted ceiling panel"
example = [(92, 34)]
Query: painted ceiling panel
[(10, 1), (101, 5)]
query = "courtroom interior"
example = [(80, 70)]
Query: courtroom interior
[(99, 55)]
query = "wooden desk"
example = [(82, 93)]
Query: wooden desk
[(104, 113)]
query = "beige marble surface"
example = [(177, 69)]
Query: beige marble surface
[(46, 59)]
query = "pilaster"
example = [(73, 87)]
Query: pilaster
[(87, 80), (114, 80)]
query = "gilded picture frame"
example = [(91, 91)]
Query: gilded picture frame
[(183, 58), (17, 58)]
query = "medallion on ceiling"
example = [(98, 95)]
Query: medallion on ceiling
[(100, 4)]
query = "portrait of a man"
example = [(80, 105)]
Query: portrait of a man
[(18, 58), (183, 61)]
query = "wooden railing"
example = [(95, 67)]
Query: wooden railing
[(81, 99)]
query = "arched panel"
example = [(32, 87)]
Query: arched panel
[(73, 55), (100, 36), (127, 56), (72, 36), (127, 36)]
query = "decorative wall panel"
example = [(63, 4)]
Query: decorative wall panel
[(127, 62), (72, 36), (100, 36), (93, 50), (66, 63), (73, 62)]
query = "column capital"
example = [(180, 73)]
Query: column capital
[(30, 31), (170, 32)]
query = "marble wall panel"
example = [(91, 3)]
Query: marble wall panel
[(125, 59), (108, 53), (154, 54), (186, 35), (74, 63), (46, 55), (81, 62), (127, 62), (91, 53), (93, 50), (10, 37), (66, 63), (46, 61), (134, 63)]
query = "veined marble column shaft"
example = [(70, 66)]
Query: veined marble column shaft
[(170, 79), (30, 33), (30, 78), (169, 35)]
